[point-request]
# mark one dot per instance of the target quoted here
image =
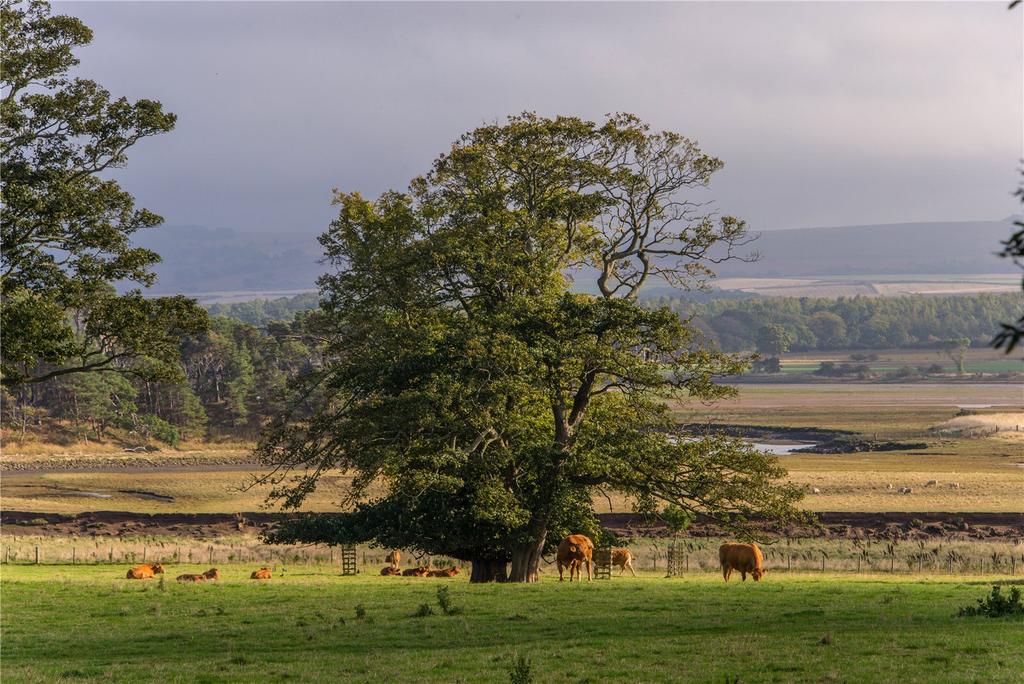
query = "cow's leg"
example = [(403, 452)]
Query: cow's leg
[(588, 571), (744, 574), (725, 573), (560, 577), (631, 570)]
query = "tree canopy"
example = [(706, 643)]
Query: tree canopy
[(66, 227), (478, 401)]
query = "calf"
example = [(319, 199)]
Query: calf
[(624, 559), (191, 578), (145, 571), (743, 558), (416, 572), (261, 574), (390, 571), (212, 574), (445, 572), (573, 552)]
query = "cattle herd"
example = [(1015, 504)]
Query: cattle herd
[(574, 552)]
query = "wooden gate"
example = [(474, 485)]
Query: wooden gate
[(348, 560), (603, 563), (675, 559)]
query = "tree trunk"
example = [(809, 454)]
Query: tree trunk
[(488, 570), (526, 560)]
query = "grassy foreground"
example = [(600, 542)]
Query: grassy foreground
[(87, 623)]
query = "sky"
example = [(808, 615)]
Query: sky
[(824, 113)]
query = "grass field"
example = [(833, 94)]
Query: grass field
[(983, 360), (988, 468), (64, 623)]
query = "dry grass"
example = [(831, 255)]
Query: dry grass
[(982, 424)]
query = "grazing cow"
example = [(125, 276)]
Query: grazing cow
[(906, 490), (954, 485), (394, 558), (624, 559), (191, 578), (931, 483), (390, 571), (145, 571), (212, 574), (742, 557), (445, 572), (261, 574), (573, 552), (416, 572)]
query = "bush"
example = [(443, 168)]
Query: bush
[(159, 429), (996, 605), (424, 611), (444, 600), (521, 671)]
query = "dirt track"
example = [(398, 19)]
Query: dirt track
[(831, 525)]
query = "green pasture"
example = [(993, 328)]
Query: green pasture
[(87, 623)]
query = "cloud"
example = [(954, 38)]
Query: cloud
[(825, 113)]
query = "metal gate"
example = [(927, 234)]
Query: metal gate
[(675, 559), (603, 563), (348, 560)]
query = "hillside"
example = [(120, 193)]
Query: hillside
[(204, 260)]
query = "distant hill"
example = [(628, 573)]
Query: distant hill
[(203, 260), (907, 248)]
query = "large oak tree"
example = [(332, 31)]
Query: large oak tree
[(489, 368), (66, 226)]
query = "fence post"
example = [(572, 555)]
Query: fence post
[(73, 554), (211, 555), (37, 555), (110, 555)]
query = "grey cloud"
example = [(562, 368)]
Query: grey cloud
[(825, 113)]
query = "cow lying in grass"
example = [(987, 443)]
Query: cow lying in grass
[(261, 574), (390, 571), (624, 559), (744, 558), (416, 572), (573, 552), (145, 571), (444, 572), (212, 574), (191, 578)]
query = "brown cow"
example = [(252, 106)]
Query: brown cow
[(573, 552), (445, 572), (416, 572), (742, 557), (212, 574), (191, 578), (624, 559), (261, 574), (145, 571), (394, 558), (389, 570)]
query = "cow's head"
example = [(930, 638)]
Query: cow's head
[(157, 568), (758, 573)]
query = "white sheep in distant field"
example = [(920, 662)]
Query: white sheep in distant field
[(815, 490), (953, 485), (906, 490)]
